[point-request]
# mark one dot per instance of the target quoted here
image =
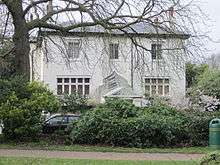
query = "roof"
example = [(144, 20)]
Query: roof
[(138, 29)]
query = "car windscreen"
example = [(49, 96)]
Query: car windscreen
[(73, 118), (57, 120)]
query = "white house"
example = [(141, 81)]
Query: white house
[(100, 63)]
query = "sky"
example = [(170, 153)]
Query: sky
[(212, 9)]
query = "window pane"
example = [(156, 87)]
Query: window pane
[(55, 120), (116, 50), (147, 88), (159, 51), (80, 80), (72, 118), (160, 89), (65, 119), (160, 81), (80, 89), (76, 49), (59, 89), (66, 80), (73, 80), (167, 81), (147, 80), (113, 51), (73, 89), (154, 81), (86, 80), (58, 120), (59, 80), (153, 89), (70, 49), (166, 90), (66, 89), (153, 51), (86, 89), (156, 51)]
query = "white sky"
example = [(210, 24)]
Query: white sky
[(212, 9)]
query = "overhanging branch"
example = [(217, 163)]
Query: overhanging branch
[(34, 4)]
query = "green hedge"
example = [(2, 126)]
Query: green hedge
[(119, 123)]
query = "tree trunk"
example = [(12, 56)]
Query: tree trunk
[(22, 48), (20, 37)]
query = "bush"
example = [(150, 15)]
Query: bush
[(211, 159), (120, 123), (75, 103), (21, 108), (198, 127), (209, 83), (193, 72)]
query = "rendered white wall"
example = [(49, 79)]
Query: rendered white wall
[(94, 62)]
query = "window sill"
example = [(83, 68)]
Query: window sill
[(157, 60), (75, 59), (115, 60)]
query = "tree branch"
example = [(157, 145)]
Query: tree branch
[(50, 14), (34, 4)]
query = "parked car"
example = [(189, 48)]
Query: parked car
[(58, 122)]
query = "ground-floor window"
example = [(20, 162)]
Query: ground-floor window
[(71, 85), (157, 86)]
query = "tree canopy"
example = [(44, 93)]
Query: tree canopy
[(25, 17)]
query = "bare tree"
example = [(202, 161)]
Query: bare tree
[(30, 15)]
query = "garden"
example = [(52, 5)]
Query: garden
[(116, 125)]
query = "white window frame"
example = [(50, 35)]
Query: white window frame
[(157, 84), (158, 52), (74, 56), (112, 53), (76, 83), (157, 42)]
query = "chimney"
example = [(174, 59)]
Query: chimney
[(171, 12), (156, 20), (50, 7), (171, 18)]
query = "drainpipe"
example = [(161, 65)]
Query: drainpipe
[(132, 67)]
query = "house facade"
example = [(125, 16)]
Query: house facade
[(99, 63)]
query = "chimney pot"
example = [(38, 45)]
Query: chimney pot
[(171, 11)]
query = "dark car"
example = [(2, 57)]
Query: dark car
[(58, 122)]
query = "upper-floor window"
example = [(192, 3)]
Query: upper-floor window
[(157, 86), (72, 85), (73, 49), (156, 51), (113, 51)]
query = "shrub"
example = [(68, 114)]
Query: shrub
[(120, 123), (209, 83), (193, 72), (205, 94), (211, 159), (74, 103), (22, 107), (198, 126)]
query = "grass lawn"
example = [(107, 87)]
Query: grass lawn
[(85, 148), (43, 161)]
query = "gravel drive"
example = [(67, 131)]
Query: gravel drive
[(97, 155)]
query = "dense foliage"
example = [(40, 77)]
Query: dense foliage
[(211, 159), (209, 83), (204, 95), (119, 123), (21, 104), (74, 103), (193, 72)]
